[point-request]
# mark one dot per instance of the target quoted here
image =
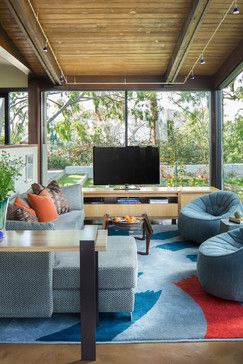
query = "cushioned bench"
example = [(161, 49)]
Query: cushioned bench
[(40, 284), (117, 277)]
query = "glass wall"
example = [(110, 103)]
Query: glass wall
[(233, 136), (18, 104), (76, 121), (177, 122)]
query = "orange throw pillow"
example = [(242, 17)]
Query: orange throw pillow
[(44, 206), (20, 204)]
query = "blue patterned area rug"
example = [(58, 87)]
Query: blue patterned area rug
[(170, 305)]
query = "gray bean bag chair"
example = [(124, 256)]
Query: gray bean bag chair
[(200, 219), (220, 265)]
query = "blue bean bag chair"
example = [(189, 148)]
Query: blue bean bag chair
[(200, 219), (220, 265)]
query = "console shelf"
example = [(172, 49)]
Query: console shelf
[(156, 202)]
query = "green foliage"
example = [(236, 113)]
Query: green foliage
[(10, 169), (57, 162), (70, 179), (233, 140)]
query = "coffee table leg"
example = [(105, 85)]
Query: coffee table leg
[(148, 238), (88, 302)]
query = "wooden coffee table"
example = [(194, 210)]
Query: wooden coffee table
[(143, 223)]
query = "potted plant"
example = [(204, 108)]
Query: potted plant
[(10, 170)]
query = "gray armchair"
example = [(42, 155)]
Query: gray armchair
[(219, 265), (200, 219)]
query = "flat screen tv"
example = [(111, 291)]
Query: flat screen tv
[(126, 165)]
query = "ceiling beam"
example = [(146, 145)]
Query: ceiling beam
[(29, 25), (97, 83), (11, 54), (230, 69), (185, 39)]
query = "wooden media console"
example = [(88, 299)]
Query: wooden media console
[(156, 202)]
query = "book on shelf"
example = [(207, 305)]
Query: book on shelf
[(158, 200)]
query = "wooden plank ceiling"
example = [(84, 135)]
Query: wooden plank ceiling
[(122, 38)]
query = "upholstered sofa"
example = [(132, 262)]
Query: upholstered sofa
[(40, 284), (200, 219), (73, 219)]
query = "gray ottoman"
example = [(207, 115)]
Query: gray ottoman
[(117, 277), (220, 265)]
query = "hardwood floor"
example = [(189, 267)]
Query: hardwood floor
[(169, 353)]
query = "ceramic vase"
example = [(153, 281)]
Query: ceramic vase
[(3, 213)]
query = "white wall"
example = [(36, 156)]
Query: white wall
[(10, 76), (23, 183)]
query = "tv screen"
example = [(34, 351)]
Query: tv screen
[(126, 165)]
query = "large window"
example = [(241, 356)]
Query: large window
[(177, 122), (233, 136), (76, 121)]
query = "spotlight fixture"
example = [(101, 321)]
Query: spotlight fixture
[(202, 60), (62, 79), (192, 77), (236, 9), (45, 48)]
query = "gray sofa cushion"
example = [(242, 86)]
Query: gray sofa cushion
[(26, 284), (72, 220), (23, 225), (110, 300), (74, 196), (117, 266)]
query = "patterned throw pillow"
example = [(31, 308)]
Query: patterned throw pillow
[(20, 211), (11, 213), (56, 193), (22, 214)]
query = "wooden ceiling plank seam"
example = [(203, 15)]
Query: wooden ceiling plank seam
[(186, 37), (23, 14)]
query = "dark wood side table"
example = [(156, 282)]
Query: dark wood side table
[(144, 223)]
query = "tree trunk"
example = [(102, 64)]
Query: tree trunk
[(154, 125)]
